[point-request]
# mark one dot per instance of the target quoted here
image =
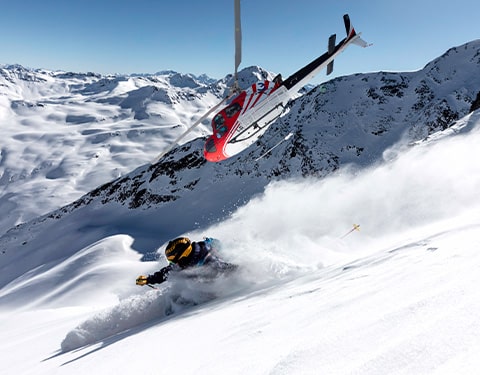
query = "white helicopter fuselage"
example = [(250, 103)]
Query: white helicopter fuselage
[(252, 111), (264, 105)]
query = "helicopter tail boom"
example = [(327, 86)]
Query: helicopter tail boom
[(299, 79)]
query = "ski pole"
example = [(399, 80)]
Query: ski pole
[(355, 227)]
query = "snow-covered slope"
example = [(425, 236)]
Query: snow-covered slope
[(398, 297), (64, 133)]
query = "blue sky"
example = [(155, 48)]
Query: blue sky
[(191, 36)]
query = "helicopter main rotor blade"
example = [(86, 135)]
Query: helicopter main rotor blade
[(181, 136), (238, 40)]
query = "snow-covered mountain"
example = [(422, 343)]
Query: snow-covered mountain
[(349, 120), (394, 152), (64, 134)]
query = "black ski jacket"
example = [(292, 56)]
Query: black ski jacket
[(202, 254)]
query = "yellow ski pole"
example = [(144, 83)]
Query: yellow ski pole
[(355, 227)]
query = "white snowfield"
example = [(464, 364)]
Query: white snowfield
[(399, 296)]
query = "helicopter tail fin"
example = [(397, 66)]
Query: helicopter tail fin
[(352, 34)]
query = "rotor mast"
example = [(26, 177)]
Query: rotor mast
[(238, 44)]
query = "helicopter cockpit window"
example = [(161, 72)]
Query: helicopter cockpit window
[(219, 123), (232, 109), (210, 146)]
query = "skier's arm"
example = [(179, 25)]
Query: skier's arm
[(160, 276), (157, 278)]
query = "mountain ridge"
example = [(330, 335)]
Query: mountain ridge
[(351, 120)]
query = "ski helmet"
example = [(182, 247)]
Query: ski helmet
[(178, 248)]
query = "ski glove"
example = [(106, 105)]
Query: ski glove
[(141, 280)]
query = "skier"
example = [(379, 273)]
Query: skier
[(183, 254)]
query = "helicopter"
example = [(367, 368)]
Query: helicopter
[(247, 114)]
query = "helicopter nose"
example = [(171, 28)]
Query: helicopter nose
[(210, 151)]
